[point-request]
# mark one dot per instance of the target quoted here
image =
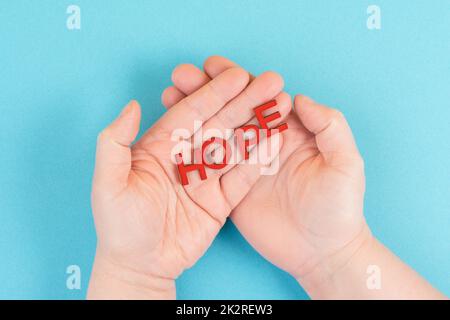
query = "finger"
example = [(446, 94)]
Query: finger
[(237, 182), (188, 78), (240, 110), (203, 103), (215, 65), (113, 156), (171, 96), (332, 132)]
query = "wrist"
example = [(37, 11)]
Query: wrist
[(110, 280), (326, 278)]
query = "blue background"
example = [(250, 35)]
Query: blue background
[(59, 88)]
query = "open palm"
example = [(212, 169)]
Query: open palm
[(313, 207), (144, 217)]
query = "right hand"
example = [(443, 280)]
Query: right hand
[(309, 216)]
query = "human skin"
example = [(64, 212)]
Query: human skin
[(308, 218), (149, 227)]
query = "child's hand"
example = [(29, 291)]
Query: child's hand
[(312, 210), (150, 228), (308, 219)]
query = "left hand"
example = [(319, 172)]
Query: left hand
[(149, 227), (312, 209)]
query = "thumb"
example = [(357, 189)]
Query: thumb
[(332, 132), (113, 157)]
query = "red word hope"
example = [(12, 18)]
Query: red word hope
[(242, 142)]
